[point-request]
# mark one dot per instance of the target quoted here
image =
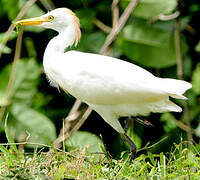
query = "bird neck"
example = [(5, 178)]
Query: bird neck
[(64, 39)]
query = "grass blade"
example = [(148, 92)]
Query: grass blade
[(9, 137)]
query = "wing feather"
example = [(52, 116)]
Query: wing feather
[(101, 79)]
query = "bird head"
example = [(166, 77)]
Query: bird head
[(57, 19)]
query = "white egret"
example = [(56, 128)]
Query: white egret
[(111, 87)]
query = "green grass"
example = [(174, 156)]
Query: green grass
[(182, 163)]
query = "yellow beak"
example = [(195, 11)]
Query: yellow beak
[(32, 21)]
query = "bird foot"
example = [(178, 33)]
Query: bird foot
[(132, 147)]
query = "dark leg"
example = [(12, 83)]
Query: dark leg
[(126, 124), (144, 122), (132, 146)]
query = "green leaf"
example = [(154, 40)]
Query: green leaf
[(197, 130), (30, 47), (91, 42), (163, 164), (86, 17), (12, 36), (196, 80), (8, 135), (6, 49), (165, 143), (132, 135), (82, 139), (197, 47), (167, 118), (26, 120), (11, 7), (60, 172), (4, 75), (2, 12), (187, 66), (191, 158), (151, 8), (151, 157), (4, 150), (148, 45), (135, 138), (25, 83)]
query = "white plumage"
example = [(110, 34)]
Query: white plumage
[(113, 87), (110, 86)]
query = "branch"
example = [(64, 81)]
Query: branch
[(163, 17), (115, 30), (115, 13), (102, 26), (115, 18)]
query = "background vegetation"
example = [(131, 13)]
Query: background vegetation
[(161, 36)]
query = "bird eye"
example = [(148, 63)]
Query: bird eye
[(50, 18)]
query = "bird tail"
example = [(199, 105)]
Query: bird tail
[(175, 88)]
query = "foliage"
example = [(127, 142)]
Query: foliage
[(81, 139), (35, 110), (151, 8), (140, 37), (183, 163)]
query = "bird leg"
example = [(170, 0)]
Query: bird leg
[(139, 120), (126, 124), (132, 146), (144, 122)]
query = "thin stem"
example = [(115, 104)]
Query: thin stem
[(163, 17), (13, 73), (102, 26), (178, 50), (180, 75), (123, 18), (115, 13)]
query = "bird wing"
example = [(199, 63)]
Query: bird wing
[(101, 79)]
